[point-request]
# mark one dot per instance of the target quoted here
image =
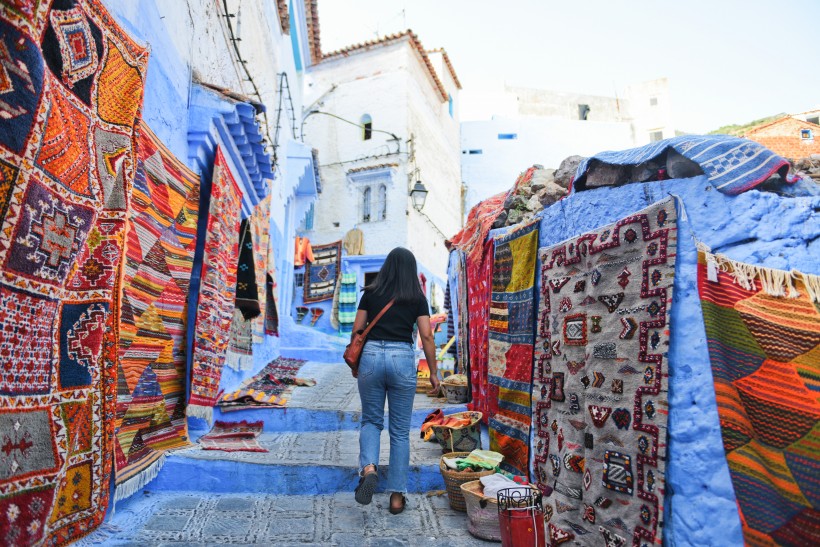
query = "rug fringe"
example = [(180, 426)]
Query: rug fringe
[(773, 282), (199, 411), (138, 481)]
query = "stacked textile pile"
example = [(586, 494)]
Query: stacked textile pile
[(72, 84), (233, 437), (271, 387)]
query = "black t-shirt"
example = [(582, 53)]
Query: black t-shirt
[(396, 325)]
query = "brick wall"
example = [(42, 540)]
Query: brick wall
[(783, 138)]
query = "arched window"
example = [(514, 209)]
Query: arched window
[(367, 127), (366, 204), (381, 210)]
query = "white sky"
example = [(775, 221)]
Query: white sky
[(728, 61)]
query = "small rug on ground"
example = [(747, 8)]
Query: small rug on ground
[(270, 387), (233, 437)]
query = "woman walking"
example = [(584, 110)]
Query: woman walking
[(388, 369)]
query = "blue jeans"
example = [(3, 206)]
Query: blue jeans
[(387, 368)]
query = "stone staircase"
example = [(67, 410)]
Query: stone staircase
[(313, 445), (303, 485)]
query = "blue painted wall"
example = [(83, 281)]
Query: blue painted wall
[(755, 227)]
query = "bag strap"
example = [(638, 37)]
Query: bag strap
[(376, 319)]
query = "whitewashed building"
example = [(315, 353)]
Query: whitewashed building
[(382, 116), (537, 126)]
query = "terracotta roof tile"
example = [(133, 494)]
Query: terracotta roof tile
[(284, 17), (371, 167), (448, 63), (313, 29), (777, 121), (407, 34)]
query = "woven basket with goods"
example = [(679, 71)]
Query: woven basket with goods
[(466, 437), (482, 511), (454, 479), (455, 388)]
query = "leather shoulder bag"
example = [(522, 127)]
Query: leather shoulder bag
[(353, 351)]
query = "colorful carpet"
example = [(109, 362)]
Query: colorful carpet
[(240, 343), (271, 305), (479, 288), (511, 333), (233, 437), (159, 255), (733, 165), (71, 84), (321, 274), (458, 280), (262, 255), (347, 302), (270, 387), (217, 291), (600, 391), (765, 355)]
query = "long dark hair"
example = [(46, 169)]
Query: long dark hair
[(398, 277)]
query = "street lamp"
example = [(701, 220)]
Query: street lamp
[(419, 195)]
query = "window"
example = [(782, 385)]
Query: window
[(583, 112), (298, 279), (653, 101), (507, 136), (366, 197), (655, 136), (381, 204), (474, 152), (450, 104), (309, 216), (367, 127), (370, 186), (806, 134)]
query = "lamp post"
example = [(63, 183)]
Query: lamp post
[(419, 195)]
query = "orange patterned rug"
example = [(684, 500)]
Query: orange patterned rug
[(71, 84)]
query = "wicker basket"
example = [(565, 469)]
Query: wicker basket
[(423, 384), (454, 479), (482, 512), (454, 391), (462, 438)]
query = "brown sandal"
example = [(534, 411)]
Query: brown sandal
[(397, 510), (366, 488)]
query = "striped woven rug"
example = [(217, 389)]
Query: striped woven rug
[(765, 356)]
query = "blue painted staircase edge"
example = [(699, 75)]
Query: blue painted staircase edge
[(225, 476)]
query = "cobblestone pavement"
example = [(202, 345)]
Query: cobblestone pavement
[(336, 389), (187, 519)]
